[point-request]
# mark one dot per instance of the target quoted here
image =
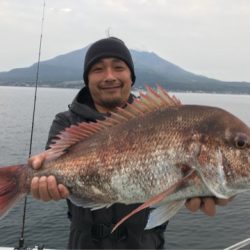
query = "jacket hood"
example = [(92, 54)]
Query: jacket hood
[(83, 105)]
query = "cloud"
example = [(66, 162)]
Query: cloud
[(209, 36), (119, 6), (66, 10)]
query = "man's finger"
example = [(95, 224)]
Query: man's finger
[(53, 189), (208, 206), (64, 192), (43, 189), (193, 204), (222, 202), (37, 160), (35, 188)]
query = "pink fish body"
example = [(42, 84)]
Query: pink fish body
[(155, 151)]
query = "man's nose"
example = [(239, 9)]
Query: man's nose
[(110, 74)]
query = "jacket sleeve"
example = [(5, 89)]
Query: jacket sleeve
[(60, 122)]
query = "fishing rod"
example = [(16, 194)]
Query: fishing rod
[(21, 239)]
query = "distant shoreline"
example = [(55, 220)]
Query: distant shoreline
[(136, 89)]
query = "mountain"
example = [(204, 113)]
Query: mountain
[(66, 71)]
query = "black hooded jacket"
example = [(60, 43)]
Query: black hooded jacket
[(91, 229)]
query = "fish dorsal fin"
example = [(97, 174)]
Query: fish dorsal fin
[(145, 103), (70, 136), (151, 101)]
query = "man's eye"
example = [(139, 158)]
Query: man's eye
[(119, 67), (97, 69)]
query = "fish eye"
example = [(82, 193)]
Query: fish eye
[(240, 142)]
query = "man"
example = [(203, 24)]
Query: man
[(108, 76)]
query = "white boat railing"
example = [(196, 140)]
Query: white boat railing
[(239, 245), (236, 246)]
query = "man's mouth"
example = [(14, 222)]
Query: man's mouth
[(111, 87)]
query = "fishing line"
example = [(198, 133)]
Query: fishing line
[(21, 240)]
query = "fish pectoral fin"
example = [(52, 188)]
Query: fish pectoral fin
[(80, 202), (156, 199), (163, 213), (215, 181), (214, 176)]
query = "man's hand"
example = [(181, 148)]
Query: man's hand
[(46, 188), (206, 204)]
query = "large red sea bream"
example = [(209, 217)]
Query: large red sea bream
[(155, 151)]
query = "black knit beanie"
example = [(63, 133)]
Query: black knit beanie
[(107, 47)]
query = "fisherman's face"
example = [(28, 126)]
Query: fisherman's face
[(109, 82)]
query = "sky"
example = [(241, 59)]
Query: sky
[(206, 37)]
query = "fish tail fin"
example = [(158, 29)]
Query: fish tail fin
[(12, 188)]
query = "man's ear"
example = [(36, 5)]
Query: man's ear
[(132, 83)]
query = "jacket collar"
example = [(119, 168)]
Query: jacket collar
[(83, 105)]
